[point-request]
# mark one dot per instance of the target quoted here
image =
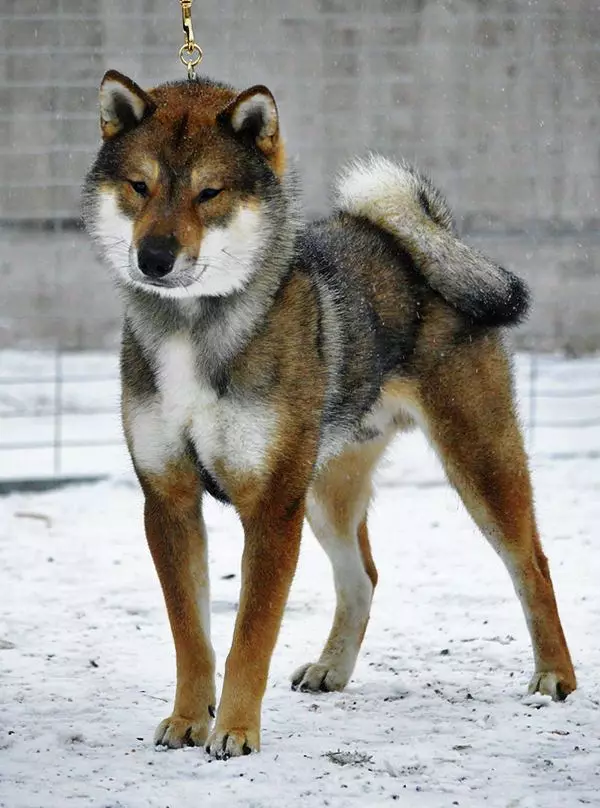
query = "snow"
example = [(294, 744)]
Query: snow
[(436, 713)]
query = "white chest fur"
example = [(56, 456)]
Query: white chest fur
[(187, 408)]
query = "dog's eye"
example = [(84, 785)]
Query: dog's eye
[(208, 193), (139, 187)]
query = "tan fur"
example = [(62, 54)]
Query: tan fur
[(454, 381), (367, 555), (183, 218), (177, 541), (270, 143), (272, 516), (469, 413), (464, 404)]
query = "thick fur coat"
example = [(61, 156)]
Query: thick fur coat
[(269, 362)]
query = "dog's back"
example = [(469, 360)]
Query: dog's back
[(388, 263)]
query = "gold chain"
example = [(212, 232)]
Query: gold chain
[(190, 52)]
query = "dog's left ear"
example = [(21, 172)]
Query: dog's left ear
[(123, 105), (253, 114)]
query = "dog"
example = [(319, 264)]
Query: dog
[(269, 362)]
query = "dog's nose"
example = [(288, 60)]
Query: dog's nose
[(156, 255)]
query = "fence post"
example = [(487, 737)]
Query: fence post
[(58, 406), (533, 380)]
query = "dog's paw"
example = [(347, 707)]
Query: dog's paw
[(225, 743), (315, 677), (177, 731), (550, 683)]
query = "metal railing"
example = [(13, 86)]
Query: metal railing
[(59, 418), (59, 414)]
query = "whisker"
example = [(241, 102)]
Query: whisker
[(231, 256), (217, 261), (114, 241), (183, 286)]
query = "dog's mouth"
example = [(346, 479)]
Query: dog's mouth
[(179, 279)]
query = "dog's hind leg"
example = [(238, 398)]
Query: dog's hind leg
[(468, 413), (177, 541), (336, 510)]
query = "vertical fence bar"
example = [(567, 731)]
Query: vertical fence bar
[(58, 407), (533, 383)]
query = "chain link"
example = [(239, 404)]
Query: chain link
[(190, 52)]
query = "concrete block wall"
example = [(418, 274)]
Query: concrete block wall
[(497, 99)]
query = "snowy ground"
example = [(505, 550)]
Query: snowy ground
[(435, 714)]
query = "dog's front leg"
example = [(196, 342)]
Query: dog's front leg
[(177, 540), (272, 528)]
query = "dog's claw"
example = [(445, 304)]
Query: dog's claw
[(552, 684), (317, 677), (232, 743), (176, 732)]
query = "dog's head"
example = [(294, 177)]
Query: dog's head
[(180, 198)]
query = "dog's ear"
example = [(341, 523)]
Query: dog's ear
[(253, 115), (122, 104)]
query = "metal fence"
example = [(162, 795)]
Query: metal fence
[(573, 410), (59, 414), (59, 418)]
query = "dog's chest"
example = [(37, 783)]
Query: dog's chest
[(226, 429)]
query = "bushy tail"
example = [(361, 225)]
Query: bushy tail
[(404, 202)]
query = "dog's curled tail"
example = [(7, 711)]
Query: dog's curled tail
[(399, 199)]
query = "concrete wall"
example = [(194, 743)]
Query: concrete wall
[(497, 99)]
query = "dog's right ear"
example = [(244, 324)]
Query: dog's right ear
[(123, 105)]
